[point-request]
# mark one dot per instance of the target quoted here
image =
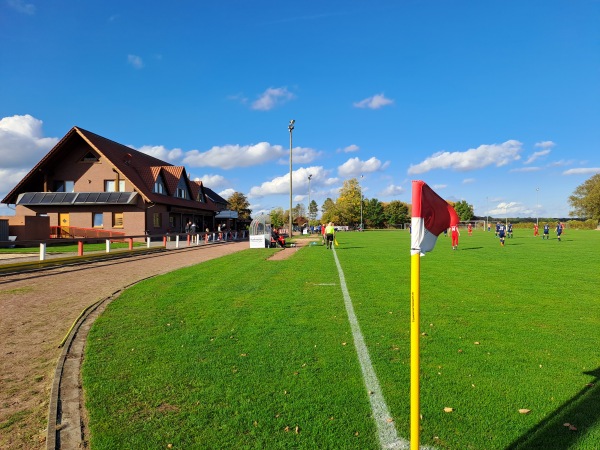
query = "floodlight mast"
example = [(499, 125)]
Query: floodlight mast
[(291, 129), (308, 209)]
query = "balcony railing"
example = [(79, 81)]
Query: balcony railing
[(63, 232)]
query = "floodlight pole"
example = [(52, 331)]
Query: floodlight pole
[(291, 129), (487, 216), (537, 206), (361, 204), (308, 209)]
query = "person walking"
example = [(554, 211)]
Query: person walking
[(330, 235), (559, 230), (536, 230), (501, 233), (454, 233), (323, 228)]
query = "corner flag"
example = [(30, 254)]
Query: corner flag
[(431, 215)]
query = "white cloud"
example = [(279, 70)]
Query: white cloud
[(375, 102), (439, 186), (392, 190), (545, 144), (161, 152), (350, 149), (537, 155), (226, 193), (231, 156), (135, 61), (355, 167), (271, 98), (21, 6), (301, 155), (562, 163), (22, 144), (281, 185), (510, 209), (582, 171), (212, 181), (469, 180), (475, 158), (9, 178)]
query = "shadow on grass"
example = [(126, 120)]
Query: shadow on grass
[(582, 412)]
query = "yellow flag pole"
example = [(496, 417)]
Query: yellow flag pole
[(415, 305)]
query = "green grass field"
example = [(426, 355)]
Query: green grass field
[(242, 352)]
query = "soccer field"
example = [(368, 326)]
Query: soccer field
[(243, 352)]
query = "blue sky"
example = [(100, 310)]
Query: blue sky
[(492, 102)]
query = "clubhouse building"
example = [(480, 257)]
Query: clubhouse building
[(89, 184)]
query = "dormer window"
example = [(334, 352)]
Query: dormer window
[(159, 186), (182, 190)]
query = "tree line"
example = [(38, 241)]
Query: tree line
[(351, 207)]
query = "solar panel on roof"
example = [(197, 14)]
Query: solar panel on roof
[(78, 198)]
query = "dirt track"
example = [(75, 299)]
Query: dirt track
[(36, 312)]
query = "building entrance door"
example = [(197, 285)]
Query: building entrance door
[(63, 224)]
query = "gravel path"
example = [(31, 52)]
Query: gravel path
[(36, 313)]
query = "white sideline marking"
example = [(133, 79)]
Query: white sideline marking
[(388, 437)]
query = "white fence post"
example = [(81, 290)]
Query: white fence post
[(42, 251), (108, 246)]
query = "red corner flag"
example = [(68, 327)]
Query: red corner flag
[(431, 215)]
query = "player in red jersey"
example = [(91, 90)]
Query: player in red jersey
[(455, 234)]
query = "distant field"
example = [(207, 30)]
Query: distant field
[(242, 352)]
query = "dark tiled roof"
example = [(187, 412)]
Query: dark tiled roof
[(214, 196)]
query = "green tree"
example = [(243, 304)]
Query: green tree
[(278, 220), (585, 201), (313, 209), (464, 210), (396, 213), (329, 211), (348, 203), (373, 214), (238, 202)]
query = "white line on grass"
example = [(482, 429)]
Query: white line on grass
[(388, 437)]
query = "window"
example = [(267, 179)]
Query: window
[(64, 186), (118, 220), (200, 197), (98, 220), (157, 220), (159, 186), (109, 186), (89, 157), (182, 191)]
